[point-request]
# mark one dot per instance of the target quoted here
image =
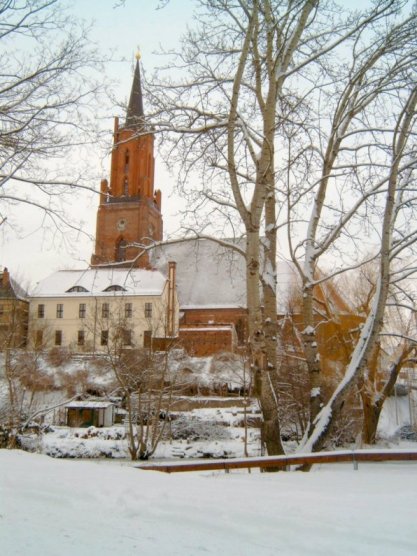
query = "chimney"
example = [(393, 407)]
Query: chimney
[(171, 299), (5, 279)]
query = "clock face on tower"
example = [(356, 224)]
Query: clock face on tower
[(121, 224)]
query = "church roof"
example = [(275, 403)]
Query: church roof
[(101, 281), (135, 117), (212, 276)]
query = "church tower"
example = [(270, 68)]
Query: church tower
[(130, 209)]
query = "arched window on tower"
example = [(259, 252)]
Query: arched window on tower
[(121, 250), (125, 187), (126, 161)]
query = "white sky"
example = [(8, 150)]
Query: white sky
[(30, 251)]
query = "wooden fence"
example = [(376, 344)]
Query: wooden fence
[(353, 456)]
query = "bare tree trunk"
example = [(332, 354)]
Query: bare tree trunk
[(311, 352), (13, 413), (371, 414), (132, 443), (272, 432), (373, 400)]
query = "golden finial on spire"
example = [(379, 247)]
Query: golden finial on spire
[(138, 55)]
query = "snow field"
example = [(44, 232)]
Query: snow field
[(50, 507)]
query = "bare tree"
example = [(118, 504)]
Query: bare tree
[(349, 152), (48, 109), (393, 350), (23, 379), (143, 380), (141, 377), (395, 185), (22, 386), (251, 71), (216, 111)]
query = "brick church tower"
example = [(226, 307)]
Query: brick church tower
[(130, 210)]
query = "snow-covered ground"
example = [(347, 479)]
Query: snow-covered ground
[(61, 507), (111, 442), (52, 507), (203, 432), (200, 432)]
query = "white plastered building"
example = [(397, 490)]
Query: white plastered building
[(92, 310)]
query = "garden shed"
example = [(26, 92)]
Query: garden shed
[(90, 413)]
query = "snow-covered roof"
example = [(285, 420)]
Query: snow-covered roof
[(91, 281), (207, 274), (18, 290), (88, 404), (212, 276)]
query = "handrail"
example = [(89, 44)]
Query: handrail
[(266, 462)]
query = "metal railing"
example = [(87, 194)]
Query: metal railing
[(268, 462)]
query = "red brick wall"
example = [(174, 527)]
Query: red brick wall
[(139, 170), (236, 316), (136, 204), (205, 340), (199, 341), (138, 217)]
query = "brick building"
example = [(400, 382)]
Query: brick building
[(210, 279), (211, 285), (202, 296), (13, 313)]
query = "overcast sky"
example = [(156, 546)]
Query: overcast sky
[(30, 251)]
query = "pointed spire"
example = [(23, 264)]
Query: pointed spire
[(135, 117)]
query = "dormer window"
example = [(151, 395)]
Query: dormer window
[(77, 289), (115, 288)]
